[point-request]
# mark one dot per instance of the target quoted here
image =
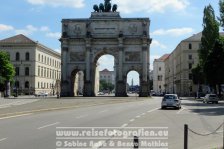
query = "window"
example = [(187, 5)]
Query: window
[(27, 71), (41, 71), (45, 60), (190, 57), (17, 71), (190, 46), (159, 68), (17, 84), (27, 84), (38, 70), (17, 56), (190, 76), (190, 66), (39, 57), (160, 78), (38, 84), (27, 56), (42, 59)]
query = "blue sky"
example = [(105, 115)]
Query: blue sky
[(171, 20)]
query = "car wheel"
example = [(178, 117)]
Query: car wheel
[(163, 107)]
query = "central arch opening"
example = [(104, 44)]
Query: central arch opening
[(105, 80), (133, 83)]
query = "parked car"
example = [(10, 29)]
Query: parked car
[(213, 98), (41, 94), (171, 100)]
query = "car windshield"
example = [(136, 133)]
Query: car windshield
[(213, 96), (170, 97)]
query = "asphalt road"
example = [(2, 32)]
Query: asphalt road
[(38, 130)]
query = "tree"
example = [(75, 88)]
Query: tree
[(106, 86), (7, 71), (214, 66), (210, 34), (221, 10)]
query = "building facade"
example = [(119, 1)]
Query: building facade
[(38, 68), (159, 74), (178, 75), (107, 76), (85, 40)]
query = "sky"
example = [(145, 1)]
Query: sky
[(171, 21)]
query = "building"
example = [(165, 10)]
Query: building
[(107, 76), (178, 75), (38, 68), (159, 74)]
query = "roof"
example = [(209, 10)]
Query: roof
[(194, 37), (163, 58), (105, 70), (18, 39), (22, 39), (197, 37)]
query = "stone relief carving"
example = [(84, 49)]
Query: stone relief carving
[(77, 56), (132, 56), (133, 28), (77, 29)]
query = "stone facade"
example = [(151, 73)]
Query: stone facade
[(159, 74), (178, 75), (38, 68), (108, 76), (84, 41)]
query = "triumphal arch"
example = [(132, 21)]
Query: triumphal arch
[(84, 41)]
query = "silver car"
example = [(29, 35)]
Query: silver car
[(213, 98), (171, 100)]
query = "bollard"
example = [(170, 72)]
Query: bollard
[(185, 136), (136, 143)]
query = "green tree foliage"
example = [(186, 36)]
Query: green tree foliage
[(210, 34), (106, 86), (221, 10), (7, 71), (198, 75), (214, 66)]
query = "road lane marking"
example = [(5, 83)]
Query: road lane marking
[(138, 116), (81, 116), (103, 111), (48, 125), (124, 125), (15, 116), (183, 108), (3, 139), (153, 110), (132, 120), (143, 114)]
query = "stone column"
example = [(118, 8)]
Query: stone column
[(65, 90), (144, 64), (121, 49), (88, 64)]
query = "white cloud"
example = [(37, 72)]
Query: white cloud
[(57, 3), (156, 43), (106, 62), (58, 50), (160, 6), (173, 32), (44, 29), (29, 29), (54, 35), (4, 27)]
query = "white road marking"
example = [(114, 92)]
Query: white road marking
[(124, 125), (138, 116), (15, 116), (132, 120), (103, 111), (3, 139), (182, 109), (81, 116), (153, 110), (143, 114), (48, 125)]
